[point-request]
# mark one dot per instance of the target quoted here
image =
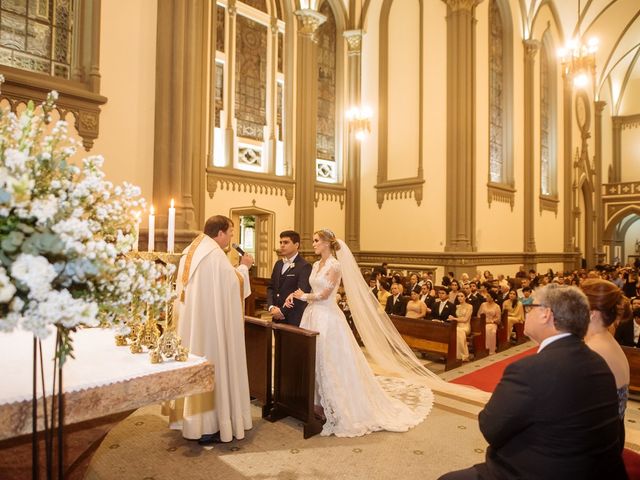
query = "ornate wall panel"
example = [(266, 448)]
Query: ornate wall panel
[(326, 130), (251, 78)]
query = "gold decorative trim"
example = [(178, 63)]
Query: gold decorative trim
[(429, 259), (549, 203), (627, 121), (332, 193), (402, 188), (21, 86), (232, 179), (464, 5), (502, 193)]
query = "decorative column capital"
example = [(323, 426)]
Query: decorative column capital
[(354, 41), (465, 5), (310, 20), (531, 48), (617, 122), (600, 104), (274, 25), (231, 7)]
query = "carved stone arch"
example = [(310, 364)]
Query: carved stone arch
[(618, 218), (555, 17), (625, 224), (409, 186)]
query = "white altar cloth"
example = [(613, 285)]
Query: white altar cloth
[(98, 362)]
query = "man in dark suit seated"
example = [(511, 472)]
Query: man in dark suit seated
[(628, 332), (396, 304), (442, 307), (553, 415), (289, 274), (474, 298)]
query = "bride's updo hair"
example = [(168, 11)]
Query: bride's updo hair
[(608, 299), (329, 237)]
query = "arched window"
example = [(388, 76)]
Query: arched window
[(500, 97), (326, 164), (548, 121), (254, 92)]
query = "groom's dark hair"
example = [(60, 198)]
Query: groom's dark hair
[(293, 235)]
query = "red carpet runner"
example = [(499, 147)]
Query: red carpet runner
[(488, 377)]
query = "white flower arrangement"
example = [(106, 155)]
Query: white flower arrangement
[(64, 235)]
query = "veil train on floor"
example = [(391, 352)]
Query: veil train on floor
[(381, 339)]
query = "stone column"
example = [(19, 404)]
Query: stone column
[(180, 136), (352, 201), (616, 141), (569, 223), (306, 122), (230, 85), (531, 47), (272, 95), (599, 211), (461, 125)]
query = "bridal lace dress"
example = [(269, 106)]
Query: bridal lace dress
[(353, 399)]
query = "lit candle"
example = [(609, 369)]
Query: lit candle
[(136, 231), (152, 233), (171, 228)]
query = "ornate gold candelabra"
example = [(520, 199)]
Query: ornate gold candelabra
[(165, 344)]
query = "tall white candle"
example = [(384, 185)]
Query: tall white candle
[(136, 231), (171, 228), (152, 232)]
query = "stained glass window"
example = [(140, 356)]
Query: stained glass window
[(251, 78), (219, 100), (220, 28), (258, 4), (326, 133), (496, 91), (36, 35), (548, 154)]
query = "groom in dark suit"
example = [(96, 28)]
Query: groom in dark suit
[(289, 274), (553, 415)]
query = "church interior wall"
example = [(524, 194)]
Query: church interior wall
[(128, 75), (491, 234), (225, 200), (329, 214), (630, 153), (400, 221), (546, 221), (629, 105)]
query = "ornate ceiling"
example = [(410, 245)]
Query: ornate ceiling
[(616, 24)]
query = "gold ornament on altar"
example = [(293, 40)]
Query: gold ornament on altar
[(157, 335)]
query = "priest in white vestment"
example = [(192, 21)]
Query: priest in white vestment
[(210, 318)]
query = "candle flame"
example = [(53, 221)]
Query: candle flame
[(172, 203)]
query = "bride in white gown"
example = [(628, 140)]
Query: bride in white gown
[(353, 401)]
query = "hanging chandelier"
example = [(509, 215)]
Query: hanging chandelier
[(578, 59)]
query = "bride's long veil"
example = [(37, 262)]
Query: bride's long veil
[(384, 344)]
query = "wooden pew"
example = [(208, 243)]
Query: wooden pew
[(430, 336), (258, 297), (503, 340), (478, 337), (633, 357), (294, 376), (520, 336), (258, 344)]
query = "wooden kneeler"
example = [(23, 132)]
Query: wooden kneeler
[(258, 344), (295, 377)]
